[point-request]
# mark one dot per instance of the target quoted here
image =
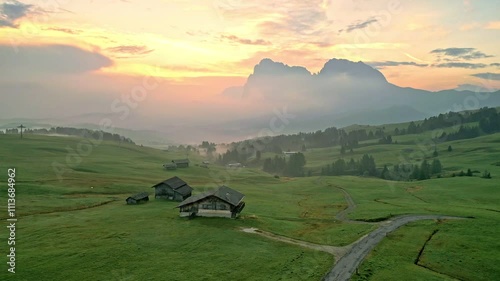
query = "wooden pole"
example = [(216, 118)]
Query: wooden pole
[(21, 129)]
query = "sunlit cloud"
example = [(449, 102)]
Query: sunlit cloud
[(65, 30), (487, 76), (360, 24), (383, 64), (461, 65), (13, 10), (51, 59), (493, 25), (228, 37), (245, 41), (461, 53), (470, 26), (129, 51)]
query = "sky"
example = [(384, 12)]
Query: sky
[(57, 55)]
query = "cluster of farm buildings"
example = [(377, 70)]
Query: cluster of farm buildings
[(220, 202)]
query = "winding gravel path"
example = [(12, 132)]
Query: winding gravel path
[(346, 265), (349, 257)]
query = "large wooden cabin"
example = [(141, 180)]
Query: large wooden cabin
[(220, 202)]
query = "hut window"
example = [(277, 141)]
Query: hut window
[(222, 206)]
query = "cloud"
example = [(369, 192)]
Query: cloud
[(360, 25), (468, 6), (469, 26), (245, 41), (487, 76), (294, 19), (129, 50), (383, 64), (179, 67), (13, 10), (495, 64), (461, 53), (197, 33), (32, 61), (461, 65), (493, 25), (475, 88), (65, 30)]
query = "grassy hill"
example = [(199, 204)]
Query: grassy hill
[(479, 153), (73, 223)]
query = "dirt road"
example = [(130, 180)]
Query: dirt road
[(342, 215), (335, 251), (347, 264), (349, 257)]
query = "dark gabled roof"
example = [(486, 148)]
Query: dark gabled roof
[(139, 196), (224, 193), (195, 198), (229, 195), (184, 190), (173, 182), (181, 161), (177, 185)]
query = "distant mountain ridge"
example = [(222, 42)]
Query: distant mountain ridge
[(353, 69), (343, 85), (345, 92)]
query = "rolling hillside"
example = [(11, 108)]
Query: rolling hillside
[(79, 223)]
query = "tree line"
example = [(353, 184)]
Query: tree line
[(366, 166), (294, 167), (85, 133), (488, 119)]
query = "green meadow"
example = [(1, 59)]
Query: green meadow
[(73, 223)]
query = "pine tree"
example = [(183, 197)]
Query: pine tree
[(416, 173), (385, 173), (469, 173), (486, 175), (436, 166), (424, 171)]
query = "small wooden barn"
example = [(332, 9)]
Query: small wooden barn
[(169, 166), (173, 189), (181, 163), (142, 197), (220, 202)]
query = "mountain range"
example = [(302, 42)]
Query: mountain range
[(345, 92), (340, 94)]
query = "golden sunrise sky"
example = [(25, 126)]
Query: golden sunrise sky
[(431, 45)]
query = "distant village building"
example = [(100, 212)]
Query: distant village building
[(234, 165), (142, 197), (221, 202), (181, 163), (169, 166), (288, 153), (173, 189)]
